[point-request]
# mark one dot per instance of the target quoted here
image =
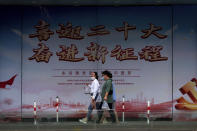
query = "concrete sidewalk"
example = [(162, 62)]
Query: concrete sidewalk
[(76, 126)]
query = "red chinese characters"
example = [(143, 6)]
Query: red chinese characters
[(98, 30), (68, 53), (152, 53), (96, 52), (125, 28), (43, 32), (42, 54), (153, 30), (69, 31), (123, 54)]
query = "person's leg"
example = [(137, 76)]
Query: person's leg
[(97, 108), (104, 117), (111, 111), (116, 114), (88, 116), (97, 105), (90, 108), (100, 112)]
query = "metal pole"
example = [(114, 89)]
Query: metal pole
[(35, 122), (123, 108), (148, 112), (57, 109)]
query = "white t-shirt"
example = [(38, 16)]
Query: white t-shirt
[(94, 88)]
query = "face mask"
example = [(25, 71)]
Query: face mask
[(92, 78), (102, 78)]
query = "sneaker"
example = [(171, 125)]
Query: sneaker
[(84, 120), (105, 121)]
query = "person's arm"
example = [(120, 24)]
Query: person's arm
[(108, 88), (106, 95), (90, 85), (95, 89)]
